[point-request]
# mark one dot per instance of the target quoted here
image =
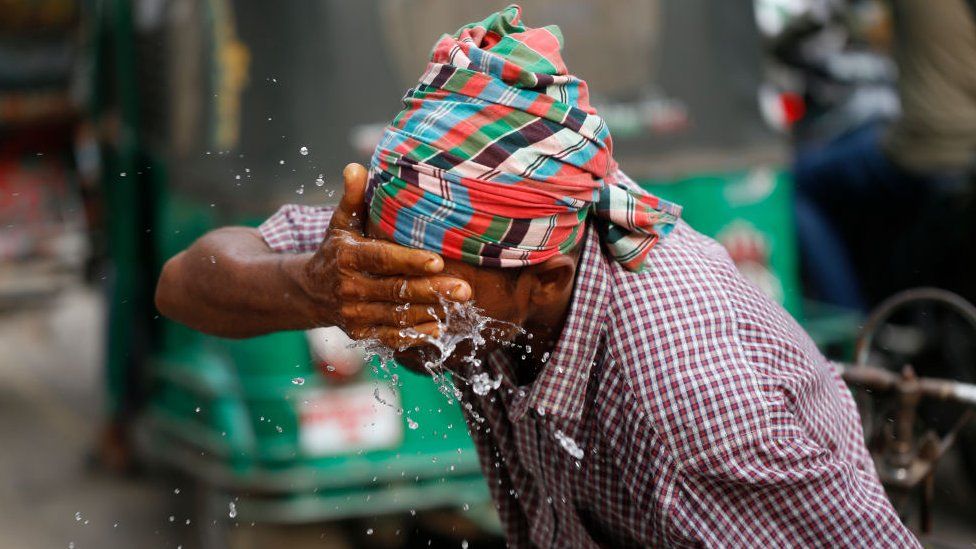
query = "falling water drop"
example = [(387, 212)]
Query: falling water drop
[(303, 151)]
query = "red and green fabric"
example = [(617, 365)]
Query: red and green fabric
[(498, 158)]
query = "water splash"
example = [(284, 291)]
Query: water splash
[(461, 323), (482, 383)]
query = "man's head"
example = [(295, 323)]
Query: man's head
[(498, 163)]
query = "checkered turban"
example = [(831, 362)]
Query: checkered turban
[(498, 159)]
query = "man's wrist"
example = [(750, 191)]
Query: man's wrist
[(294, 268)]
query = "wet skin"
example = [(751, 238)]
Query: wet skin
[(535, 299)]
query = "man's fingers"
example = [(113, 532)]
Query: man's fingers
[(352, 208), (399, 338), (389, 314), (386, 258), (418, 290)]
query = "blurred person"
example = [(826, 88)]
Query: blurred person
[(655, 396), (888, 174)]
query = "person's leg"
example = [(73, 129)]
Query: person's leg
[(825, 257), (829, 180)]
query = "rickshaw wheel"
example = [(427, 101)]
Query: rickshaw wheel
[(934, 331)]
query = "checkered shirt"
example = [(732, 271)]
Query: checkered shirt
[(680, 407)]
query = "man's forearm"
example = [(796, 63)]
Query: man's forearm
[(229, 283)]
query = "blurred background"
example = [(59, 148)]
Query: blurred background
[(828, 144)]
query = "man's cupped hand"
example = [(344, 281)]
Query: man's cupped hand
[(373, 288)]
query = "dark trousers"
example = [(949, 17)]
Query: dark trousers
[(863, 221)]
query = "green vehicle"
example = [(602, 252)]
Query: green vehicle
[(228, 109)]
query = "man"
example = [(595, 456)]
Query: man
[(656, 398)]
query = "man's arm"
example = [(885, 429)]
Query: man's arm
[(231, 283), (776, 487)]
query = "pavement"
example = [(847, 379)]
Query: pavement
[(50, 412)]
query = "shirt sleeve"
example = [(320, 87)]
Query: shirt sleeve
[(775, 491), (296, 228)]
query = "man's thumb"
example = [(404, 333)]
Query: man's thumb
[(352, 207)]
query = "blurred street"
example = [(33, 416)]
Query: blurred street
[(50, 398)]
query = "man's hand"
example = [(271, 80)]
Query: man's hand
[(232, 284), (373, 288)]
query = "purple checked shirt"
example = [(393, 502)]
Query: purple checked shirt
[(680, 407)]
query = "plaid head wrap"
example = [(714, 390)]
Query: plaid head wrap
[(498, 158)]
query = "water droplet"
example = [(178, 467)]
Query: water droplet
[(412, 424), (369, 531), (569, 444), (197, 409), (303, 151), (78, 516), (319, 181), (176, 490), (464, 544), (300, 190), (213, 259), (279, 429), (281, 162), (231, 510), (298, 381), (172, 518)]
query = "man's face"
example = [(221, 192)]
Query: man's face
[(499, 294)]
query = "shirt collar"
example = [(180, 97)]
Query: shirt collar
[(560, 388)]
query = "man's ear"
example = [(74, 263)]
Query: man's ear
[(552, 279)]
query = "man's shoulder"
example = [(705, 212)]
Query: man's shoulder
[(686, 287), (684, 335)]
